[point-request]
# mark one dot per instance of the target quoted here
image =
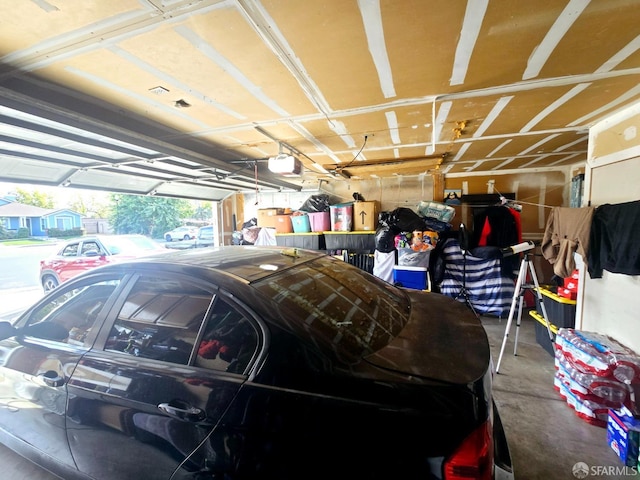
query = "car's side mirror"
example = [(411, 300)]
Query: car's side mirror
[(7, 330)]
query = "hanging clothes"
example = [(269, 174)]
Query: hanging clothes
[(498, 226), (614, 243), (490, 292), (566, 232)]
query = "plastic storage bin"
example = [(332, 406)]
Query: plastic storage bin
[(300, 223), (283, 224), (341, 217), (560, 310), (357, 241), (410, 258), (542, 335), (310, 241), (319, 221)]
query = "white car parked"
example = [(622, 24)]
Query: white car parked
[(181, 233)]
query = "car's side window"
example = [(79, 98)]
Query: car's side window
[(70, 250), (229, 341), (90, 247), (70, 315), (160, 319)]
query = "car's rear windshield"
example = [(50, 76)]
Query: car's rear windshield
[(338, 306), (130, 244)]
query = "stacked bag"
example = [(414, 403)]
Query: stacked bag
[(399, 229), (594, 374)]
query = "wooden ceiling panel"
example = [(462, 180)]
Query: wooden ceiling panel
[(420, 39), (475, 86), (510, 33), (43, 23), (598, 33), (330, 42)]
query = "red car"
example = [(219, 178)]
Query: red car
[(86, 253)]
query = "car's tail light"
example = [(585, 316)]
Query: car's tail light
[(473, 459)]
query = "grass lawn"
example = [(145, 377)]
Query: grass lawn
[(26, 241)]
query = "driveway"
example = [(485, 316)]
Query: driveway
[(20, 276)]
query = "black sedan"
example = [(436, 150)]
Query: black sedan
[(249, 363)]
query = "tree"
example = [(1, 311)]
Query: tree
[(35, 198), (203, 212), (89, 206), (147, 215)]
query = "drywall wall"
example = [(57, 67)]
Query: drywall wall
[(537, 191), (610, 304)]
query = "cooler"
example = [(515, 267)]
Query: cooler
[(416, 278)]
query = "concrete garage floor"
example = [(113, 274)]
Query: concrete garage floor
[(545, 435)]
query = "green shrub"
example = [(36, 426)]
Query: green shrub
[(58, 233)]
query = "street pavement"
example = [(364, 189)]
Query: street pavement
[(14, 301)]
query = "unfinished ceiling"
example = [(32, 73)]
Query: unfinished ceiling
[(190, 98)]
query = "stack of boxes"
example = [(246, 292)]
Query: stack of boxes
[(569, 289), (346, 226)]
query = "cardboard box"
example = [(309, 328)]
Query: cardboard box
[(365, 216), (567, 293), (267, 216), (623, 435)]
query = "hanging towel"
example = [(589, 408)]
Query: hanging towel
[(567, 231), (614, 242)]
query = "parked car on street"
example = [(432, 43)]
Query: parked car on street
[(205, 237), (245, 362), (181, 233), (85, 253)]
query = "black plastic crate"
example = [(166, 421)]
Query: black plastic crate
[(309, 241), (542, 335), (560, 311), (352, 241)]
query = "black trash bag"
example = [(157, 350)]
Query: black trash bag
[(318, 203), (406, 220), (385, 220), (250, 223), (385, 239)]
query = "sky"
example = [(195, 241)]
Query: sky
[(62, 196)]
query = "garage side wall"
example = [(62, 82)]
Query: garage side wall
[(610, 305)]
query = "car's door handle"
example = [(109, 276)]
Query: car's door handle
[(183, 411), (52, 379)]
